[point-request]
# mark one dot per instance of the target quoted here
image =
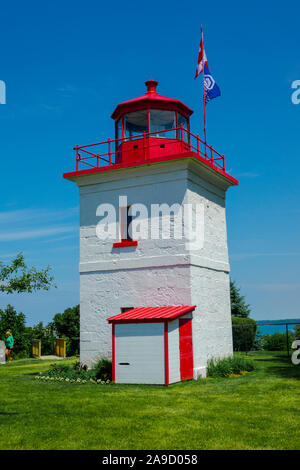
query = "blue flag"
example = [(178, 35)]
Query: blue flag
[(211, 89)]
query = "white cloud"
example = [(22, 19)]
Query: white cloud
[(20, 234), (30, 215), (247, 174), (277, 286), (241, 256)]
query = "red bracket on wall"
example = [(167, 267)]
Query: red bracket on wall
[(125, 243)]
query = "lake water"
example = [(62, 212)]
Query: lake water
[(270, 328)]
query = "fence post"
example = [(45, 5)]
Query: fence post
[(198, 145), (144, 144), (36, 348), (211, 154), (287, 339), (223, 157), (109, 152), (77, 158), (60, 347), (181, 136)]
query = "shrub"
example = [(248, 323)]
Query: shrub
[(229, 365), (243, 333), (276, 342), (297, 332), (101, 371)]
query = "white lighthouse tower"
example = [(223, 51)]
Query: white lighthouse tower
[(159, 177)]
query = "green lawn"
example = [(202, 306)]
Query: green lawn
[(257, 411)]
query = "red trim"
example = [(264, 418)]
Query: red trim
[(124, 243), (113, 354), (159, 320), (166, 337), (142, 314), (119, 166), (186, 348)]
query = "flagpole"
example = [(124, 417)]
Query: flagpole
[(204, 109)]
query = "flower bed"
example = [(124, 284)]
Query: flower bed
[(100, 373)]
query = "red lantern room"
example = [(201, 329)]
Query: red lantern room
[(148, 129), (150, 126)]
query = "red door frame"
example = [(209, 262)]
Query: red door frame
[(186, 348), (166, 341)]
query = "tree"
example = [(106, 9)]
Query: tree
[(243, 333), (239, 308), (17, 277), (46, 334), (67, 324)]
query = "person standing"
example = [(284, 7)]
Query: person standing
[(9, 343)]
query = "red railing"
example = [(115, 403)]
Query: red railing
[(88, 155)]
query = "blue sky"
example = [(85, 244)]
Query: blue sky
[(66, 65)]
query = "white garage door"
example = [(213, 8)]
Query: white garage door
[(139, 353)]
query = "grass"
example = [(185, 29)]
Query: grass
[(259, 410)]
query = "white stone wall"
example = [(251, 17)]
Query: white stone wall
[(212, 332), (156, 272), (2, 352), (103, 294)]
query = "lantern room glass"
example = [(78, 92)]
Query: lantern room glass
[(155, 122), (182, 121), (136, 123), (119, 130), (161, 120)]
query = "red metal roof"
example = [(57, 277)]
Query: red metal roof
[(151, 313), (150, 98)]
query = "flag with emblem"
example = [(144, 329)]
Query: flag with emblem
[(211, 89)]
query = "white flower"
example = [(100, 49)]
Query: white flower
[(108, 381), (67, 379)]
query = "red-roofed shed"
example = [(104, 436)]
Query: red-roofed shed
[(152, 345)]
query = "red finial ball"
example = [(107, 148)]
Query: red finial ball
[(151, 86)]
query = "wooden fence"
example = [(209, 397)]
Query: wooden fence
[(36, 348), (60, 347)]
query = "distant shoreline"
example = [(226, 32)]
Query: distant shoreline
[(269, 327)]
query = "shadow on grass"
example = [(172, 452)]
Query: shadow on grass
[(283, 366)]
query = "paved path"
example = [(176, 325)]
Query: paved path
[(51, 357)]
